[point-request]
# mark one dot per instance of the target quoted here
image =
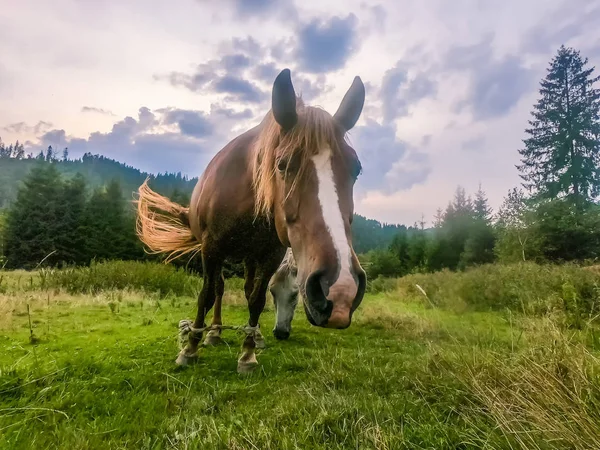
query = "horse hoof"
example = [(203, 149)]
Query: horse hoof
[(247, 362), (212, 340), (184, 359), (245, 367)]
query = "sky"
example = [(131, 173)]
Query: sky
[(163, 86)]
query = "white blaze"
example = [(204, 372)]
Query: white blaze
[(332, 214)]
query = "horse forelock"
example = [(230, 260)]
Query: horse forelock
[(315, 130)]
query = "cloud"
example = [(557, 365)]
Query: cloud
[(245, 73), (495, 84), (166, 139), (398, 92), (325, 46), (92, 109), (239, 90), (23, 128), (389, 164), (190, 123), (236, 62)]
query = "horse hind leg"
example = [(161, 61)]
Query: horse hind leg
[(213, 337), (206, 299)]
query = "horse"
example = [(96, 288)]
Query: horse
[(284, 289), (287, 182)]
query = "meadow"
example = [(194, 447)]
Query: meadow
[(500, 356)]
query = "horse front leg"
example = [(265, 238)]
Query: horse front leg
[(250, 273), (257, 299), (206, 299), (213, 337)]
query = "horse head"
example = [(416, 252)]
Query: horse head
[(313, 170)]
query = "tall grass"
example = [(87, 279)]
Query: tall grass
[(546, 396), (526, 288), (117, 275)]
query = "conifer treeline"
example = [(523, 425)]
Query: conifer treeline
[(55, 220)]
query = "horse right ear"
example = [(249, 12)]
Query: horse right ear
[(284, 101)]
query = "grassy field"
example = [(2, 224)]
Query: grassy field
[(499, 357)]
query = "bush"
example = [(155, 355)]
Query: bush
[(382, 263)]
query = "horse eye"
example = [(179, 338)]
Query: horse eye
[(282, 165)]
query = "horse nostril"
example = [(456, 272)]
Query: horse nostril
[(281, 334)]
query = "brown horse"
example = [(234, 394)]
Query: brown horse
[(288, 182)]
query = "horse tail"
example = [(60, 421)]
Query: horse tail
[(163, 226)]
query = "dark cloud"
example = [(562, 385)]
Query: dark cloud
[(398, 92), (23, 128), (239, 89), (388, 163), (227, 75), (151, 143), (325, 46), (55, 138), (244, 73), (496, 85), (92, 109), (190, 123), (235, 63)]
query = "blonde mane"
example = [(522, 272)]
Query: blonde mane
[(314, 130)]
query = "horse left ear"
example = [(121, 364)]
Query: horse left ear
[(283, 102), (352, 104)]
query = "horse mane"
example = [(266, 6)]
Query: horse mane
[(315, 130)]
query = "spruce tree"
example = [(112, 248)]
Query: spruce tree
[(71, 238), (33, 221), (481, 207), (479, 246), (561, 157)]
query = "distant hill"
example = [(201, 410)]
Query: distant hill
[(368, 234), (97, 170)]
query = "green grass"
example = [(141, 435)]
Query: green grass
[(100, 373)]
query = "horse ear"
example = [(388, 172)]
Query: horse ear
[(352, 104), (284, 100)]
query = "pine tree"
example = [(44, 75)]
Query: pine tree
[(481, 207), (561, 157), (399, 247), (110, 226), (71, 239), (33, 221), (479, 245)]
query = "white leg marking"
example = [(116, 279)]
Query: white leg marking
[(330, 207)]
